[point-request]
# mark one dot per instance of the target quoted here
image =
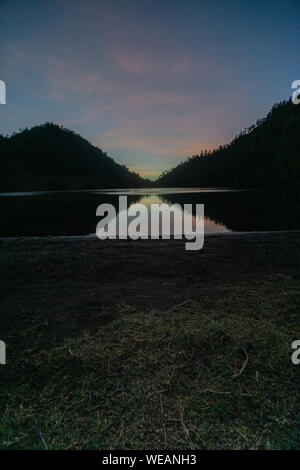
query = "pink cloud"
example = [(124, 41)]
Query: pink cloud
[(144, 99), (158, 65), (118, 105), (132, 62), (67, 77), (15, 60)]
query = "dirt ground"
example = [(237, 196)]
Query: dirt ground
[(54, 277)]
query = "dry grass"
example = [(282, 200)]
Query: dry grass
[(205, 374)]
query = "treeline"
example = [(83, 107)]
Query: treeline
[(49, 157), (265, 155)]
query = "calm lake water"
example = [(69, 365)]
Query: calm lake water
[(74, 212)]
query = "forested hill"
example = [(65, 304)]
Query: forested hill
[(266, 154), (49, 157)]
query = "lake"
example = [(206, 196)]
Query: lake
[(44, 213)]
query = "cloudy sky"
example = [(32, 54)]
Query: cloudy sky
[(149, 81)]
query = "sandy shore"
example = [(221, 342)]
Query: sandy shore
[(63, 275)]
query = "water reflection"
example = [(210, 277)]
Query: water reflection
[(176, 222), (74, 212)]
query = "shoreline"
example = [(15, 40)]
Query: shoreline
[(94, 237), (112, 268)]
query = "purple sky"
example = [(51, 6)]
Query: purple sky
[(150, 82)]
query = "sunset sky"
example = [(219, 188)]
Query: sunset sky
[(150, 82)]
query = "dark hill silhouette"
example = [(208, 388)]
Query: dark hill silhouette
[(265, 155), (49, 157)]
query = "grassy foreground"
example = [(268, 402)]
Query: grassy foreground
[(207, 373), (190, 377)]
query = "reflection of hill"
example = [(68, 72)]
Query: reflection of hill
[(53, 214), (243, 210)]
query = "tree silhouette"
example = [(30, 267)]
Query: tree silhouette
[(51, 157), (264, 155)]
